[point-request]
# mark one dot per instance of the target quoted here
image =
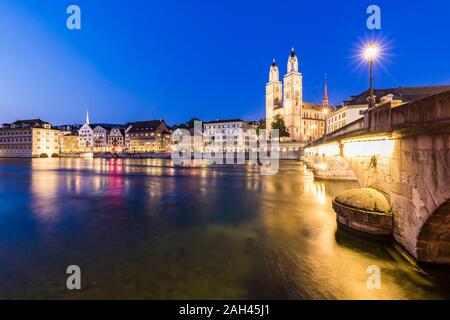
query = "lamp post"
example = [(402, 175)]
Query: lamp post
[(371, 53)]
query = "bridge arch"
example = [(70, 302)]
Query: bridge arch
[(404, 152), (433, 243)]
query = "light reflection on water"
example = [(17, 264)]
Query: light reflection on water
[(146, 229)]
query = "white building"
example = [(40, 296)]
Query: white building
[(344, 115), (231, 135), (353, 109), (86, 135)]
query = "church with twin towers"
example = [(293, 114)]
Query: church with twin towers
[(305, 121)]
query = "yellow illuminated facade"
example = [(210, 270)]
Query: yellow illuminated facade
[(29, 139), (305, 121), (70, 143), (148, 137)]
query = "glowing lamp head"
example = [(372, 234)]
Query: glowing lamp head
[(371, 52)]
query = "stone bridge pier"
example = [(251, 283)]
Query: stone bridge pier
[(403, 152)]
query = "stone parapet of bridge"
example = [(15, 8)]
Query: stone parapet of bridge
[(404, 152)]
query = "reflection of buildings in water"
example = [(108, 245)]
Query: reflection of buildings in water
[(316, 190), (73, 183), (300, 233), (45, 182), (254, 182), (110, 179)]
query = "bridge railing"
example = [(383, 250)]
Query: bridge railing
[(432, 113), (353, 128)]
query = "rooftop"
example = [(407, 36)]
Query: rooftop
[(150, 125), (224, 121), (314, 106), (35, 123), (31, 122), (108, 126), (405, 94)]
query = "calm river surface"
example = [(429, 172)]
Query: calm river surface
[(146, 229)]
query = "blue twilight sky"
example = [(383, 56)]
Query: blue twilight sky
[(137, 60)]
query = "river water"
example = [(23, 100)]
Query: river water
[(146, 229)]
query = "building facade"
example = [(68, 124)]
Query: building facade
[(29, 139), (354, 108), (313, 117), (286, 100), (229, 135), (70, 143), (100, 138), (86, 135), (344, 115), (148, 137), (116, 140)]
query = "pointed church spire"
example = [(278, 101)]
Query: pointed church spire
[(274, 63), (292, 65), (325, 93), (274, 75), (293, 54), (87, 117)]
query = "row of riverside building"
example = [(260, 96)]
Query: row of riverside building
[(39, 139), (305, 121)]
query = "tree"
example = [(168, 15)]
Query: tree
[(262, 125), (188, 125), (278, 124), (191, 123)]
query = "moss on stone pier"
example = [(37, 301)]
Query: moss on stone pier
[(365, 199)]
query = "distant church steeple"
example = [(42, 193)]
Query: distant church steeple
[(292, 62), (87, 117), (325, 93), (274, 75)]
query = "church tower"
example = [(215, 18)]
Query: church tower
[(293, 98), (325, 94), (273, 94)]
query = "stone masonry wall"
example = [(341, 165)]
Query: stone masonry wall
[(412, 170)]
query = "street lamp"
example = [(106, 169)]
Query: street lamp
[(371, 54)]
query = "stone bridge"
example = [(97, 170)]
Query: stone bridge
[(404, 152)]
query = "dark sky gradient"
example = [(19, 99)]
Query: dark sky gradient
[(136, 59)]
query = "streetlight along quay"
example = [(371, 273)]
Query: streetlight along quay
[(371, 53)]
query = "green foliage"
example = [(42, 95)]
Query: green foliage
[(262, 125), (278, 123), (188, 125)]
